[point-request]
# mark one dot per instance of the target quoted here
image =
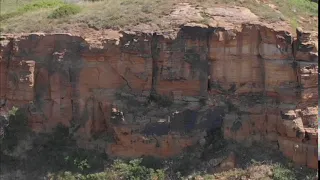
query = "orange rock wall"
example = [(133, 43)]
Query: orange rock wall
[(65, 79)]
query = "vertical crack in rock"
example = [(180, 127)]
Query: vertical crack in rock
[(262, 65), (295, 65), (209, 67), (204, 64), (38, 101), (155, 52), (73, 55), (9, 59), (263, 76), (71, 99), (74, 70), (11, 52), (74, 96), (74, 103)]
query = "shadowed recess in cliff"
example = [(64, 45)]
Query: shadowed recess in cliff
[(184, 122), (213, 119), (157, 128), (155, 50)]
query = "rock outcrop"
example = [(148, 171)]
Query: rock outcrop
[(151, 94)]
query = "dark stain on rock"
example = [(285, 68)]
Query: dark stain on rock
[(214, 119), (157, 128), (236, 126), (184, 122), (299, 134)]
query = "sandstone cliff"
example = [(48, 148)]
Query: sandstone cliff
[(145, 93)]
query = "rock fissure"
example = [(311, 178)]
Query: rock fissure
[(155, 55)]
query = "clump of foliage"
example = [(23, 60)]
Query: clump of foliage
[(41, 5), (16, 130), (65, 11), (34, 6), (60, 151), (67, 175), (133, 170), (283, 173)]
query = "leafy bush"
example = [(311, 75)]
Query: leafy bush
[(119, 170), (65, 11), (16, 130), (282, 173), (133, 170), (40, 4), (67, 175), (58, 151), (78, 163)]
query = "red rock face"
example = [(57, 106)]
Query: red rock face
[(262, 83)]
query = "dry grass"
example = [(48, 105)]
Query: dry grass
[(127, 13), (8, 6), (262, 171)]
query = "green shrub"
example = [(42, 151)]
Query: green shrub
[(65, 11), (119, 170), (59, 150), (282, 173), (16, 130), (67, 175), (40, 4), (78, 163), (134, 171), (60, 137)]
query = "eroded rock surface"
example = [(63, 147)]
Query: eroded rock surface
[(150, 94)]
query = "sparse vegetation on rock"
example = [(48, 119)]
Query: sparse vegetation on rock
[(128, 13)]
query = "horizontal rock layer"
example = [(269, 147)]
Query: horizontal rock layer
[(255, 83)]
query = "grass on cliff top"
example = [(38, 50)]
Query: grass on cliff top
[(34, 15)]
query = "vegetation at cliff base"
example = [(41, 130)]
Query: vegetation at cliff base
[(16, 131), (56, 156)]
